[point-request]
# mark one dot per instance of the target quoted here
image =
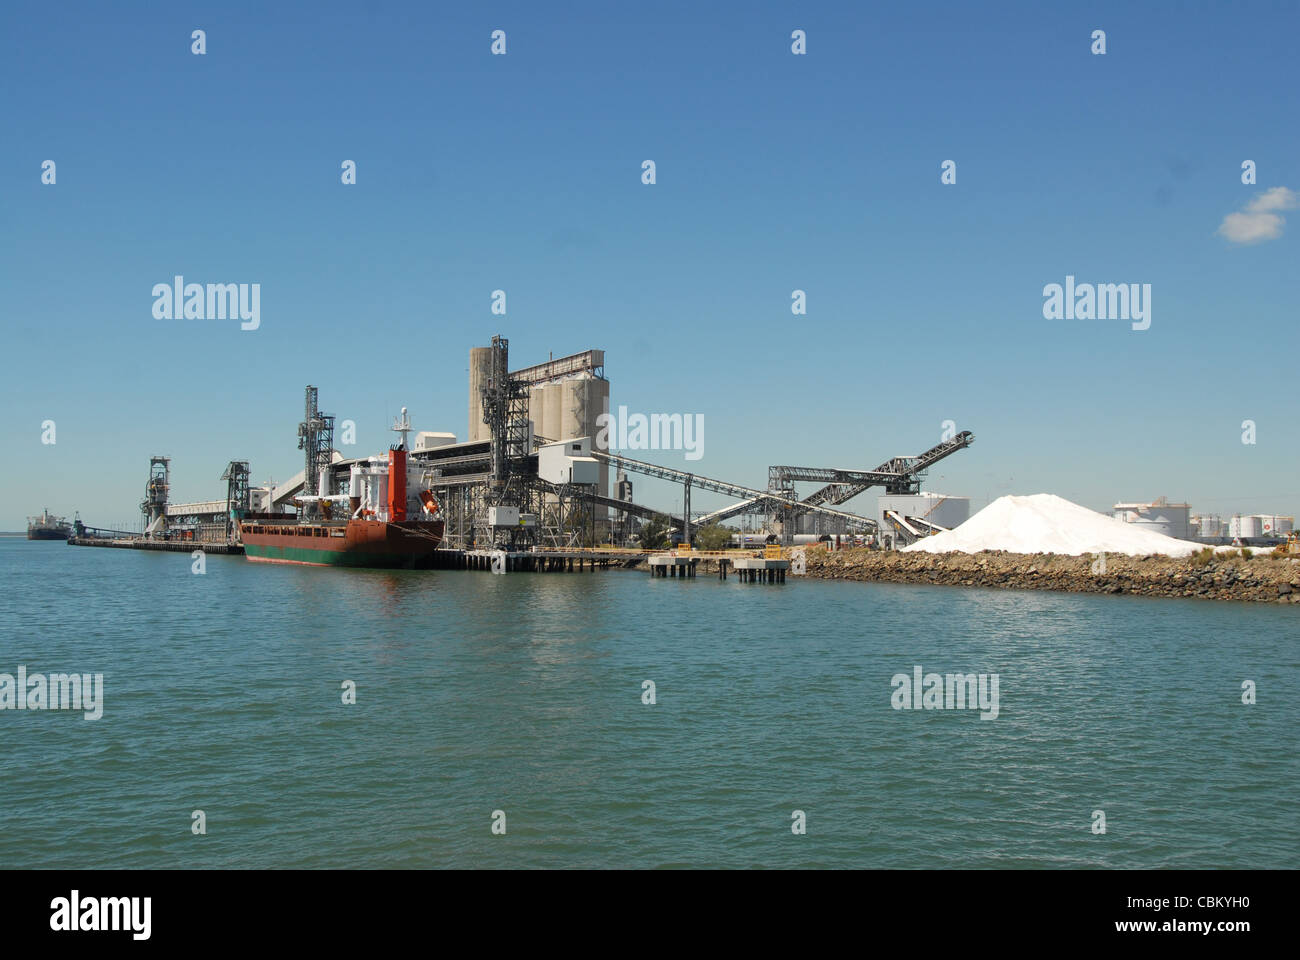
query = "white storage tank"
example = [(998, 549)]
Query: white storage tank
[(1274, 526), (1208, 526), (1250, 527), (1159, 516), (1161, 525)]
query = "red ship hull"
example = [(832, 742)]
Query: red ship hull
[(357, 543)]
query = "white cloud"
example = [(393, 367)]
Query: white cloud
[(1275, 198), (1259, 222), (1251, 227)]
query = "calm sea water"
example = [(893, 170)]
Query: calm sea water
[(523, 694)]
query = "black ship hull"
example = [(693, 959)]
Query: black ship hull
[(49, 534)]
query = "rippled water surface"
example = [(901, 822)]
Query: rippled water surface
[(523, 694)]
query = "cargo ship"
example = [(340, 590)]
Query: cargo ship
[(385, 525), (46, 527)]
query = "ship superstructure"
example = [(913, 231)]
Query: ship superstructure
[(386, 518), (48, 527)]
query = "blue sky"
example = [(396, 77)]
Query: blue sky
[(775, 172)]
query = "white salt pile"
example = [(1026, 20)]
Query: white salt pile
[(1045, 523)]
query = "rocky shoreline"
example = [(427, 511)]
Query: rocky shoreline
[(1259, 579)]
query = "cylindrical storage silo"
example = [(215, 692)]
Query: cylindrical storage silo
[(1250, 527), (551, 412), (573, 409), (480, 372), (1285, 525), (597, 404), (535, 411)]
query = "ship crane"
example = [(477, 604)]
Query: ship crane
[(154, 505), (316, 440)]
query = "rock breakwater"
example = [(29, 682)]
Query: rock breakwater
[(1261, 579)]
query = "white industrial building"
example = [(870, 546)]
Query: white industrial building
[(1158, 516), (569, 461), (431, 439), (565, 397)]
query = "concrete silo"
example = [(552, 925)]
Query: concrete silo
[(598, 403), (583, 400), (480, 372), (535, 410), (551, 406), (573, 409)]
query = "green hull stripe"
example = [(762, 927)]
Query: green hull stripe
[(333, 558)]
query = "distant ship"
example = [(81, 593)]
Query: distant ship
[(46, 527), (376, 532)]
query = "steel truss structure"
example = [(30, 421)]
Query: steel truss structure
[(237, 495), (316, 439)]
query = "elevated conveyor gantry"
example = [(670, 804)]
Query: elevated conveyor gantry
[(852, 520), (900, 475)]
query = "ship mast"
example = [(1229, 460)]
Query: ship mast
[(402, 425)]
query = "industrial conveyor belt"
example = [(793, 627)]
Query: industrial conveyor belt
[(722, 486)]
